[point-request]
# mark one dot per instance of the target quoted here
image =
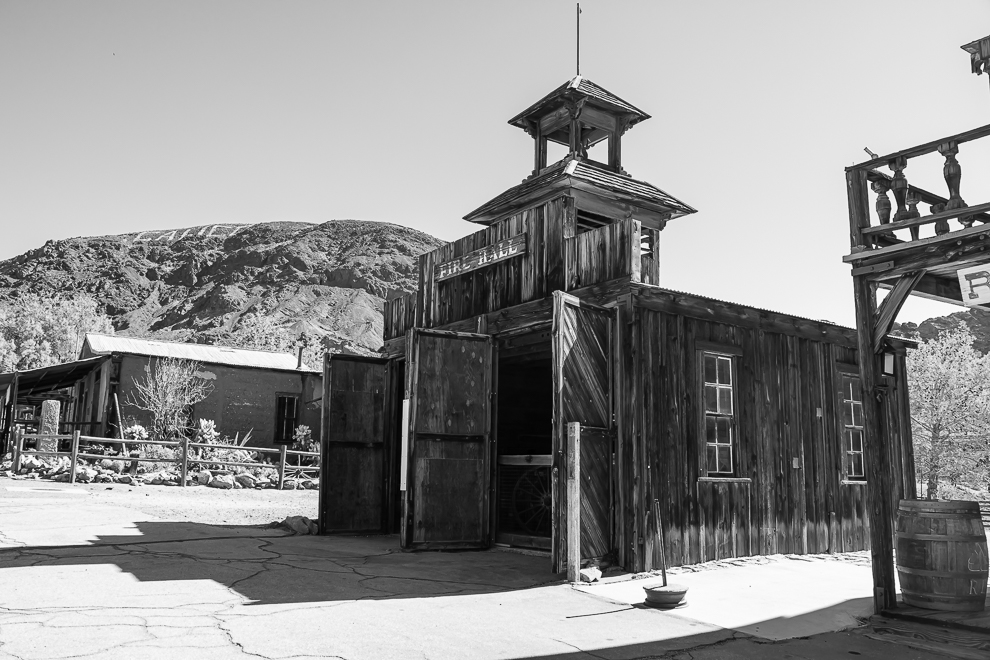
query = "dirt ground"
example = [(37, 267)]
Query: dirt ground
[(211, 506)]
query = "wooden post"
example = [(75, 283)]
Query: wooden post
[(875, 450), (74, 455), (18, 447), (573, 501), (184, 469), (281, 466)]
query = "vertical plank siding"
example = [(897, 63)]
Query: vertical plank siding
[(788, 414), (555, 259)]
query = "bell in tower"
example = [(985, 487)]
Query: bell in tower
[(578, 115)]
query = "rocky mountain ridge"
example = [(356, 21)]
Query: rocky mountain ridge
[(329, 279), (976, 319)]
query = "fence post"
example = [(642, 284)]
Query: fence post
[(281, 466), (185, 461), (18, 440), (74, 455)]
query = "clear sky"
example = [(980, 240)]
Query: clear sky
[(126, 116)]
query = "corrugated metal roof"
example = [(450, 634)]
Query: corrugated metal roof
[(53, 377), (235, 357)]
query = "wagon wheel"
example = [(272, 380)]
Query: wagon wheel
[(532, 500)]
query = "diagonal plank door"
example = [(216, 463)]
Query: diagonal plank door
[(352, 483), (449, 440), (582, 370)]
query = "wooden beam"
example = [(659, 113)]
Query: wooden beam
[(875, 454), (922, 149), (573, 501), (926, 245), (891, 305)]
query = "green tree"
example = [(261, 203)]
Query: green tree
[(39, 331), (949, 384)]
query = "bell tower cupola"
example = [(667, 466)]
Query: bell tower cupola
[(578, 115)]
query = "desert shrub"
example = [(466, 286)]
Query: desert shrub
[(212, 458)]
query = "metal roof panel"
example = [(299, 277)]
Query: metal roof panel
[(208, 353)]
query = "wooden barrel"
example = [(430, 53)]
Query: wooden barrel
[(942, 555)]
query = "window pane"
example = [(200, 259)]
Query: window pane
[(725, 371), (857, 466), (847, 413), (712, 459), (725, 400), (856, 440), (724, 459), (711, 398), (847, 463), (857, 413), (724, 423), (857, 391), (710, 369), (710, 431)]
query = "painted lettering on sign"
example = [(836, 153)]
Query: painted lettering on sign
[(507, 249), (974, 283), (173, 235)]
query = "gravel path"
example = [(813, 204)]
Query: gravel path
[(211, 506)]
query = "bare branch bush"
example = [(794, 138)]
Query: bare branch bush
[(169, 390)]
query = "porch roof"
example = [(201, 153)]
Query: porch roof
[(48, 379)]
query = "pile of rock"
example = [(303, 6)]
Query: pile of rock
[(118, 472)]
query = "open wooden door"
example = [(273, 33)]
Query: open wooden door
[(353, 473), (449, 443), (582, 372)]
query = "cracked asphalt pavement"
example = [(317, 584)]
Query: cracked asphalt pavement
[(87, 576)]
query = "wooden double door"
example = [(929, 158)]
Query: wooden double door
[(442, 441)]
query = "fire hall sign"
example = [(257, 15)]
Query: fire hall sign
[(975, 284), (507, 249)]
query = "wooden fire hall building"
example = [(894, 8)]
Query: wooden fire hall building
[(744, 425)]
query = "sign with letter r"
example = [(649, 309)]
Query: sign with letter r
[(974, 282)]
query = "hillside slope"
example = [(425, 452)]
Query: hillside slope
[(330, 279)]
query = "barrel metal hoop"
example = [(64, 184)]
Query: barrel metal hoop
[(943, 574)]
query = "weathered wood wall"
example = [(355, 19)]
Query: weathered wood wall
[(788, 410), (557, 258)]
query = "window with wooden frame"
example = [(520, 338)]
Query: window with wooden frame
[(286, 408), (852, 428), (718, 371)]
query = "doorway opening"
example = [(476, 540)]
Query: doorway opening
[(525, 439)]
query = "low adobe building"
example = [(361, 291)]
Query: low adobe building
[(265, 393), (733, 430)]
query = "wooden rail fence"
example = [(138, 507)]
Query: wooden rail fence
[(182, 461)]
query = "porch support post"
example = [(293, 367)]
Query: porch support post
[(573, 501), (870, 370)]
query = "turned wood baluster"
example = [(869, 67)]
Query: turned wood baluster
[(952, 172), (941, 226), (881, 187), (912, 212), (899, 186)]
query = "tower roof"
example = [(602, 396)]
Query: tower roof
[(580, 174), (576, 88)]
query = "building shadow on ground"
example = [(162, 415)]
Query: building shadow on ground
[(266, 566)]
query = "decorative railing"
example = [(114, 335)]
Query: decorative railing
[(899, 220)]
